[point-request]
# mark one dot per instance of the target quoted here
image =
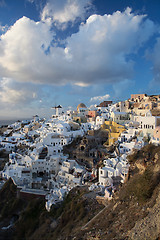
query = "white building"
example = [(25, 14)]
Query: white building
[(147, 123), (120, 117), (100, 120), (105, 175), (126, 147), (128, 135), (55, 141)]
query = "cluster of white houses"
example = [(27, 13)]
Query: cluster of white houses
[(36, 159)]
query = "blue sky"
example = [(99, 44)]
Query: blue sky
[(70, 51)]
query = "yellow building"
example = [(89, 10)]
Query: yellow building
[(114, 131)]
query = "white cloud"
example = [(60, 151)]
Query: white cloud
[(100, 98), (98, 53), (100, 50), (23, 100), (3, 28), (23, 49), (81, 84), (63, 11), (14, 93)]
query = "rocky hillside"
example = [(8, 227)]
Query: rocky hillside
[(134, 212)]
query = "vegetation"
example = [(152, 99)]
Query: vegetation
[(67, 218), (34, 222), (30, 219), (147, 153), (72, 212), (9, 203), (141, 186)]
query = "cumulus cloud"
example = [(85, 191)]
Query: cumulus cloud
[(100, 52), (15, 93), (3, 28), (100, 98), (23, 100), (63, 11), (23, 49)]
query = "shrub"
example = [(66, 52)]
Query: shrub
[(147, 152), (140, 186)]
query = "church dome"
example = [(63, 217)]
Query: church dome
[(81, 105)]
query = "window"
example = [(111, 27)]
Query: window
[(101, 172)]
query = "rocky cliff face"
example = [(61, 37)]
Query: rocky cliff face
[(149, 227)]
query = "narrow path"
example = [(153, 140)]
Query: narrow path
[(90, 221)]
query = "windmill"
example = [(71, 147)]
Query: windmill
[(58, 109)]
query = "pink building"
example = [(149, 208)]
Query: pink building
[(92, 114)]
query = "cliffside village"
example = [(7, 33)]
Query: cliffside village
[(83, 147)]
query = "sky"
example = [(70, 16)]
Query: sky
[(70, 51)]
